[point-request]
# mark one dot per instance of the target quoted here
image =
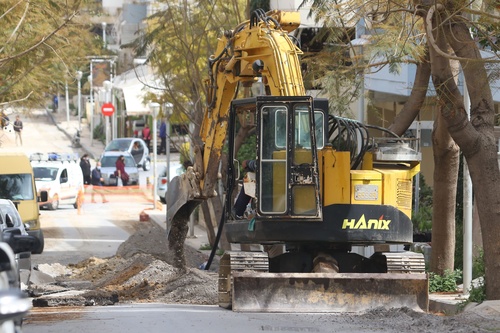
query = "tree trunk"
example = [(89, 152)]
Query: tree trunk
[(477, 140), (417, 97), (446, 156), (446, 163)]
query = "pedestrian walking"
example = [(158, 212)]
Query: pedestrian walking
[(85, 165), (18, 128), (97, 183), (56, 103), (163, 137)]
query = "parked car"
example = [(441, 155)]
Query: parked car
[(58, 175), (17, 183), (14, 303), (176, 169), (15, 234), (108, 167), (136, 147)]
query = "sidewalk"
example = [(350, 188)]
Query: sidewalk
[(448, 304)]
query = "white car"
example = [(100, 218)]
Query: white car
[(108, 167), (136, 147), (176, 169)]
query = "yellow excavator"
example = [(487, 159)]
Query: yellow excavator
[(331, 208)]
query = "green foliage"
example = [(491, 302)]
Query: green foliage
[(444, 283), (184, 153), (247, 149), (478, 268), (422, 220), (100, 133), (43, 43), (205, 247), (477, 294)]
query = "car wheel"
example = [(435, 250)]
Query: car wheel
[(55, 203), (146, 166)]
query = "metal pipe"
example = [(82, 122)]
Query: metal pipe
[(67, 104), (79, 78), (467, 214)]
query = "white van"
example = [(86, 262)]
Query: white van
[(59, 176)]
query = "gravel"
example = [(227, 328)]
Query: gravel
[(141, 271)]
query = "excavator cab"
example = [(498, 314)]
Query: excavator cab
[(287, 247), (286, 180)]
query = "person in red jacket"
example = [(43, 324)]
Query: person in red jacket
[(120, 171), (146, 135)]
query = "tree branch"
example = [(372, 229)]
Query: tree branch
[(42, 41)]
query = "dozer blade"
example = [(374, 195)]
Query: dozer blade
[(181, 197), (328, 292)]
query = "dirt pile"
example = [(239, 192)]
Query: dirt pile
[(142, 271)]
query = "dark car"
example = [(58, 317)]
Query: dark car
[(136, 147), (11, 225)]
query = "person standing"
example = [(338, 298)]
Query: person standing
[(97, 182), (85, 166), (18, 128), (243, 198), (56, 103), (146, 135), (163, 137), (120, 172)]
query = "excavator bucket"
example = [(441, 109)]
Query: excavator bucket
[(182, 196), (327, 292)]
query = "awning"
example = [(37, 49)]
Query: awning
[(134, 96), (132, 90)]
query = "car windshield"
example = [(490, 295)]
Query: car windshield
[(118, 145), (16, 187), (14, 215), (45, 173), (110, 161)]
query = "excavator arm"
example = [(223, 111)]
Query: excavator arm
[(257, 48)]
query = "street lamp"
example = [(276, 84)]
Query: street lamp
[(168, 113), (155, 108), (103, 35), (79, 78), (89, 78), (107, 88), (67, 103)]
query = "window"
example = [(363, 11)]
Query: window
[(16, 187)]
